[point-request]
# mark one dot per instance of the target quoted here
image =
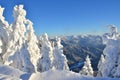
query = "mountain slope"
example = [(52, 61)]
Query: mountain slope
[(76, 48)]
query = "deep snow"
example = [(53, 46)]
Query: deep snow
[(10, 73)]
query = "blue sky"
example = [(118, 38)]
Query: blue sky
[(66, 17)]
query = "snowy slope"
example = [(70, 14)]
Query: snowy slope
[(76, 48), (10, 73), (63, 75), (6, 77)]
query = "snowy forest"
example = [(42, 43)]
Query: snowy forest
[(24, 56)]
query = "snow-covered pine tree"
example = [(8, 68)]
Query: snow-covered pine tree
[(110, 66), (47, 54), (27, 64), (100, 64), (16, 38), (60, 61), (87, 68), (32, 42), (116, 69), (3, 33), (23, 52), (0, 51), (0, 46)]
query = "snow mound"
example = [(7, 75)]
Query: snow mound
[(6, 77), (10, 73), (63, 75)]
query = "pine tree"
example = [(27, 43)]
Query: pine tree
[(47, 54), (32, 42), (110, 66), (0, 46), (99, 65), (16, 38), (60, 61), (23, 52), (87, 68), (0, 51), (3, 33), (27, 64)]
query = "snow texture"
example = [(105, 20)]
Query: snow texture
[(33, 48), (109, 66), (10, 73), (63, 75), (60, 61), (47, 54)]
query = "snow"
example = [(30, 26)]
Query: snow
[(0, 46), (10, 73), (87, 68), (63, 75), (3, 33), (60, 61), (32, 47), (102, 60), (22, 42), (110, 65), (47, 54)]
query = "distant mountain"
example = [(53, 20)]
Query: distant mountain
[(76, 48)]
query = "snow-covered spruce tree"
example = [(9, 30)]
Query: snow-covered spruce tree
[(111, 65), (3, 33), (22, 44), (27, 64), (87, 68), (60, 61), (0, 46), (32, 45), (102, 59), (0, 51), (47, 54), (16, 38)]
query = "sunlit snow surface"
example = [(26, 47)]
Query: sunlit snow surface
[(10, 73)]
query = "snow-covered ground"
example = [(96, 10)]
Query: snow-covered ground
[(10, 73), (63, 75)]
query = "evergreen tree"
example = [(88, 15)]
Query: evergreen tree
[(3, 34), (47, 54), (102, 59), (110, 66), (23, 52), (87, 68), (16, 37), (60, 61), (32, 43), (0, 46)]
